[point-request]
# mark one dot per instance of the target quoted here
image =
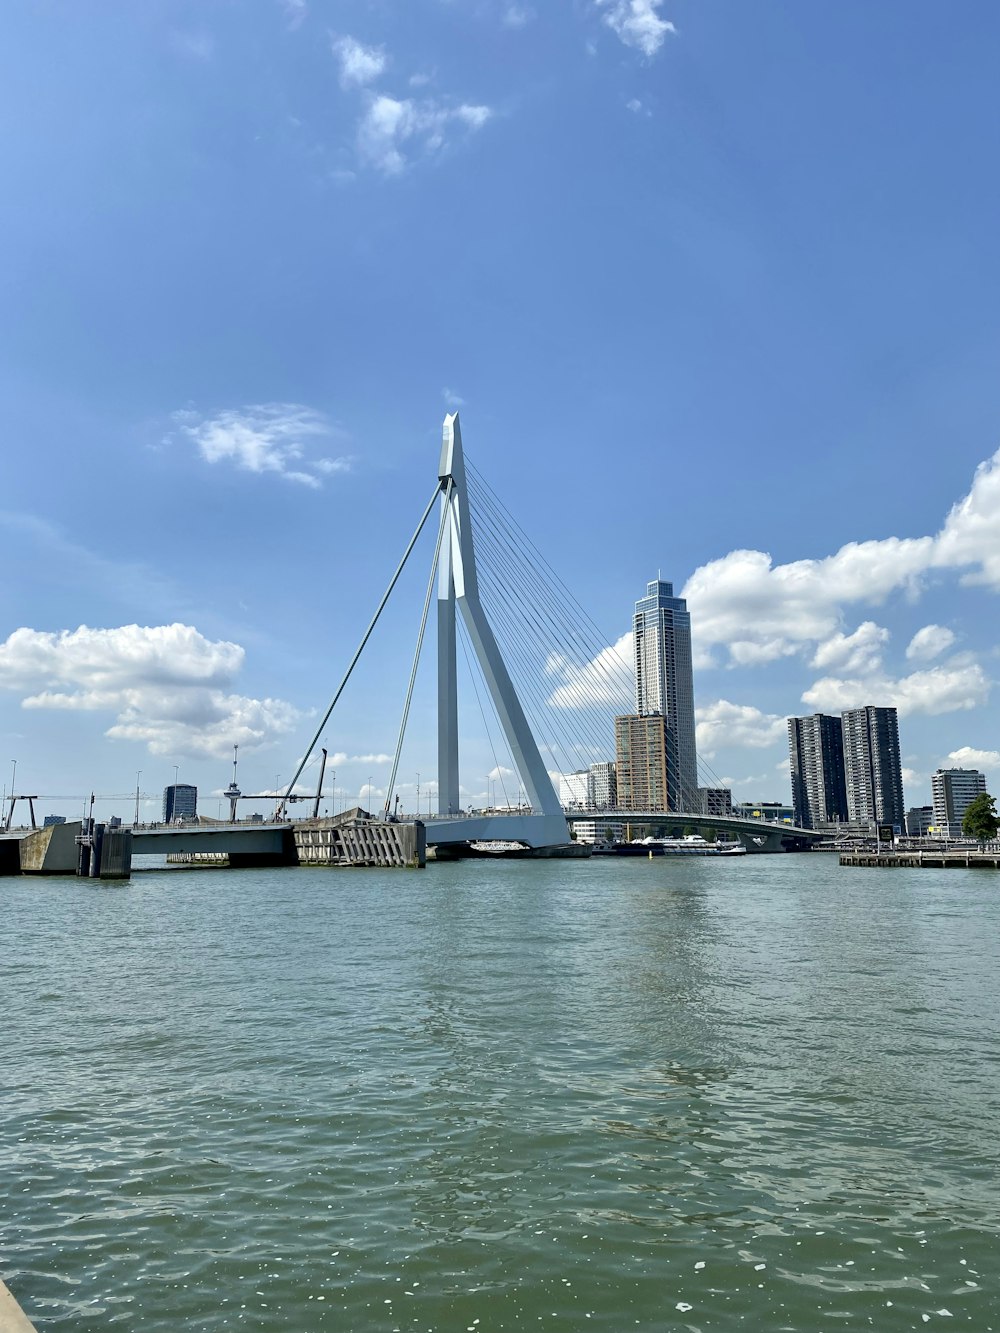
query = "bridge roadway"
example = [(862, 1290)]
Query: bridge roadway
[(756, 835), (256, 840)]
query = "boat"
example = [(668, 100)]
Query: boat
[(691, 845)]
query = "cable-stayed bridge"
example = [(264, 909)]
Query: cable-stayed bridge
[(547, 684), (551, 680)]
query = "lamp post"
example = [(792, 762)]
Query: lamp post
[(137, 776), (418, 795), (369, 791)]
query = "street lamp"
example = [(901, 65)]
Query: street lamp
[(418, 795), (137, 776), (369, 791)]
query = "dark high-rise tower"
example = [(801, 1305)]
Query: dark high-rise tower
[(872, 767), (816, 755), (664, 682)]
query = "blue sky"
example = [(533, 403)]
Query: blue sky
[(713, 284)]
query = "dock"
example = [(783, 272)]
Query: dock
[(936, 860)]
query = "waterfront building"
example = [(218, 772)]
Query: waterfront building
[(919, 820), (772, 812), (872, 769), (952, 791), (575, 790), (816, 756), (715, 801), (603, 786), (645, 760), (664, 681), (180, 801), (596, 829)]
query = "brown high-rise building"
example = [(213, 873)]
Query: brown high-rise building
[(644, 763)]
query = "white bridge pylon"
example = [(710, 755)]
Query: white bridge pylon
[(454, 567), (458, 590)]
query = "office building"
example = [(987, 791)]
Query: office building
[(816, 756), (715, 801), (645, 760), (664, 681), (603, 786), (180, 801), (771, 812), (872, 769), (596, 829), (952, 791), (919, 820), (574, 790)]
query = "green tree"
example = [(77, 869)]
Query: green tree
[(980, 820)]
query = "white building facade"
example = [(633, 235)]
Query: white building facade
[(952, 792)]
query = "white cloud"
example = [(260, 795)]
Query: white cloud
[(295, 12), (762, 612), (196, 44), (168, 685), (392, 132), (451, 398), (517, 16), (723, 724), (968, 757), (759, 611), (636, 23), (929, 642), (855, 654), (948, 688), (609, 679), (265, 438), (971, 532), (358, 64)]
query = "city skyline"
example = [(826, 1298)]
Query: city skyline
[(249, 282)]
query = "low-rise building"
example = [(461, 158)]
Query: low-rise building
[(715, 801), (773, 812), (599, 829), (919, 819)]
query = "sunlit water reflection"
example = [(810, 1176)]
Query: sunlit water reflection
[(603, 1094)]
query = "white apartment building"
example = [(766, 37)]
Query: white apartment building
[(952, 792)]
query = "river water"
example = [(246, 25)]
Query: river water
[(600, 1094)]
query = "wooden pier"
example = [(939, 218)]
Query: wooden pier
[(937, 860)]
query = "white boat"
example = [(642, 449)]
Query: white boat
[(692, 845)]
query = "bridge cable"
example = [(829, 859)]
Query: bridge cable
[(361, 645), (445, 517)]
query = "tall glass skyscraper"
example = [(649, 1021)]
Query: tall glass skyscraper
[(664, 682)]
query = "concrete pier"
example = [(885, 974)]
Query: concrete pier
[(12, 1317)]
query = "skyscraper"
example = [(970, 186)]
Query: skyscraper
[(872, 768), (664, 682), (816, 755), (953, 790), (180, 801)]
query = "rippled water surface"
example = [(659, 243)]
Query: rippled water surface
[(585, 1094)]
